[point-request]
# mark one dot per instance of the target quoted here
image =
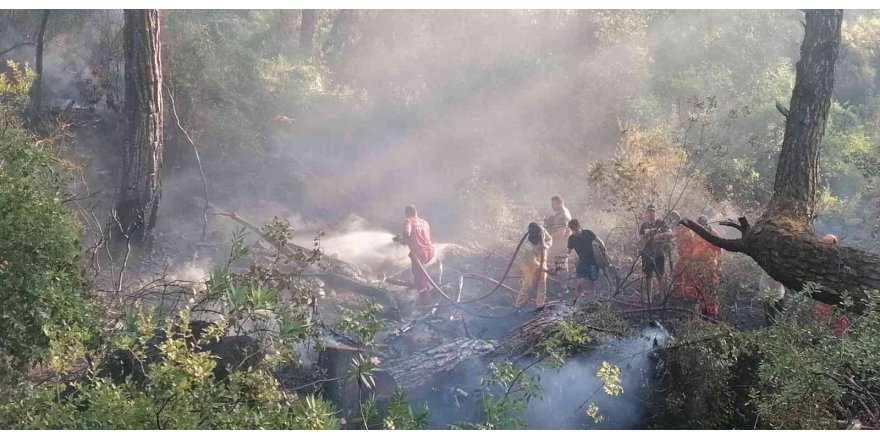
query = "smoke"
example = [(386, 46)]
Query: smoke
[(567, 392), (370, 250), (436, 110), (441, 104), (196, 271)]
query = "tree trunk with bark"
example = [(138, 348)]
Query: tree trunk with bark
[(418, 369), (289, 24), (37, 88), (783, 241), (137, 205), (342, 31), (307, 28)]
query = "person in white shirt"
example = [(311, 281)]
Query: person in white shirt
[(556, 225)]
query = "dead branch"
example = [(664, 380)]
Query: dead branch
[(724, 243), (198, 160), (16, 46)]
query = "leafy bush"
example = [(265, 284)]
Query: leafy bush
[(797, 374), (42, 290)]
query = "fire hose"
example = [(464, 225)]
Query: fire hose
[(434, 286)]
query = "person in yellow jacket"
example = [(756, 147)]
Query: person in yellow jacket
[(534, 266)]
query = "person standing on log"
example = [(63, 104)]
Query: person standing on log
[(534, 266), (417, 236), (653, 233), (582, 241), (557, 225)]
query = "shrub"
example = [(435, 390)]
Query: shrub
[(42, 288)]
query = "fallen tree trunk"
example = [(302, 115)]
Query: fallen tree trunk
[(340, 282), (420, 368), (289, 249), (783, 241)]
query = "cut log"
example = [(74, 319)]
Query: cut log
[(420, 368)]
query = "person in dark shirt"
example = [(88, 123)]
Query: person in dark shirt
[(654, 234), (583, 241)]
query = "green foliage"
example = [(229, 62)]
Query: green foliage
[(247, 401), (42, 290), (697, 368), (175, 386), (238, 76), (504, 395), (400, 415), (566, 337), (364, 369), (361, 324), (812, 376), (181, 393), (797, 374), (610, 376)]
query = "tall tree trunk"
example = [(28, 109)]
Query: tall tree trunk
[(796, 186), (138, 203), (342, 31), (37, 88), (289, 24), (783, 242), (307, 28)]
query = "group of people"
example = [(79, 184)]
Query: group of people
[(694, 262), (554, 242)]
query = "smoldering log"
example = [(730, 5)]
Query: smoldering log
[(528, 334)]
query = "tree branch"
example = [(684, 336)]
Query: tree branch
[(723, 243), (198, 161), (16, 46), (742, 226), (732, 224)]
